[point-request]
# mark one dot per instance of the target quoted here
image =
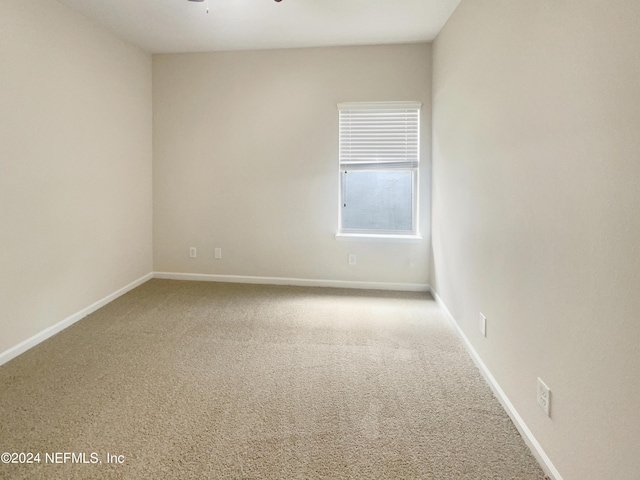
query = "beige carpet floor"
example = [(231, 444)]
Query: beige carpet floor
[(223, 381)]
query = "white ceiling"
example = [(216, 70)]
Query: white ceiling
[(162, 26)]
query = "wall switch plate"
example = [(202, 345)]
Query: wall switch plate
[(218, 253), (352, 259), (482, 326), (544, 397), (193, 252)]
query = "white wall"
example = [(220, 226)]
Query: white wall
[(75, 165), (246, 159), (536, 214)]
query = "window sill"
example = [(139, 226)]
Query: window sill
[(372, 237)]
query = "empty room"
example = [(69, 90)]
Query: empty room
[(337, 239)]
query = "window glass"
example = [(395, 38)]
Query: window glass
[(377, 200)]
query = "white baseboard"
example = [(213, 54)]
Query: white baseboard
[(301, 282), (58, 327), (535, 447)]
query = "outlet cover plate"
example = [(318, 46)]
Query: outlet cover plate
[(482, 325), (544, 397)]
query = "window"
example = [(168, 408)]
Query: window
[(379, 162)]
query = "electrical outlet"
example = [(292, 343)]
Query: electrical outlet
[(218, 253), (544, 397), (193, 253), (482, 326), (352, 259)]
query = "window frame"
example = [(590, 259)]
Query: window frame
[(373, 234)]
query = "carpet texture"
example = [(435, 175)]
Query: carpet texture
[(223, 381)]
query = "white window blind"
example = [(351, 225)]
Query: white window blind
[(379, 135)]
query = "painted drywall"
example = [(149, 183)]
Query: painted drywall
[(536, 168), (246, 160), (75, 166)]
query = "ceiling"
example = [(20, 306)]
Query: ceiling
[(163, 26)]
